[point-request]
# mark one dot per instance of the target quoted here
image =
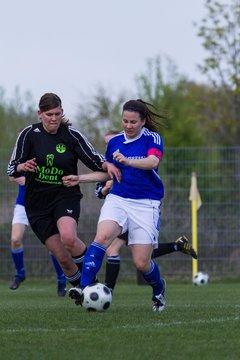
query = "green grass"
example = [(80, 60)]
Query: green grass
[(199, 323)]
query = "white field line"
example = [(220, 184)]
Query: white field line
[(151, 325)]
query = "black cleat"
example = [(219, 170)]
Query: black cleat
[(185, 247), (61, 289), (16, 282)]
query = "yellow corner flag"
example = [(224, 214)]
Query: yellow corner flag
[(195, 198), (194, 193)]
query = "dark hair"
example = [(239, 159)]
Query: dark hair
[(141, 107), (50, 101)]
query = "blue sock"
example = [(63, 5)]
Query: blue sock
[(60, 274), (18, 259), (153, 278), (92, 262)]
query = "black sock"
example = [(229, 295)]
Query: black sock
[(163, 249), (74, 280), (112, 271), (79, 260)]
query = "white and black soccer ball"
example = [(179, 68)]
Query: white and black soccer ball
[(200, 278), (96, 297)]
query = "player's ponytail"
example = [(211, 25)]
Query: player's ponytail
[(142, 107)]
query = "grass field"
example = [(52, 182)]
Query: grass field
[(199, 323)]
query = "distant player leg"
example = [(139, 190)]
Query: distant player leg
[(61, 279), (163, 249), (181, 244), (17, 252), (114, 260)]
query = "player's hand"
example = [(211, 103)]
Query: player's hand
[(20, 180), (112, 171), (28, 166), (109, 184), (120, 158), (70, 180)]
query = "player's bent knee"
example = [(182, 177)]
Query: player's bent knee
[(16, 243), (141, 266)]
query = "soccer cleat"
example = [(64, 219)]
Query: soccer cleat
[(184, 246), (61, 289), (159, 301), (16, 282), (75, 293)]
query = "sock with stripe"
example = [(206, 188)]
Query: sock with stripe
[(74, 279), (79, 259), (92, 263), (153, 278), (112, 271)]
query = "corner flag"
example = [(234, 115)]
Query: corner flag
[(194, 193), (195, 198)]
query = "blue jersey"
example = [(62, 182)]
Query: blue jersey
[(136, 183), (20, 195)]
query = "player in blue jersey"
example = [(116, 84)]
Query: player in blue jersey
[(113, 251), (132, 204), (19, 224)]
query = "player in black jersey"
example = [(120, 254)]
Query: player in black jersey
[(45, 152)]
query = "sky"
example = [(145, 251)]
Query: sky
[(71, 47)]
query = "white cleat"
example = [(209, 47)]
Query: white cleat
[(75, 293), (159, 301)]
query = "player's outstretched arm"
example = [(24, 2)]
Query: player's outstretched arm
[(73, 180), (112, 170)]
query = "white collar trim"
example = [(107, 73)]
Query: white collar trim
[(127, 141)]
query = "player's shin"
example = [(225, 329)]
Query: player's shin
[(92, 263), (78, 260), (153, 278)]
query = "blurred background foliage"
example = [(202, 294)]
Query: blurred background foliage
[(199, 114)]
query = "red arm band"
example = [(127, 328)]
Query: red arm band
[(155, 152)]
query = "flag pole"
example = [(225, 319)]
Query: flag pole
[(195, 199)]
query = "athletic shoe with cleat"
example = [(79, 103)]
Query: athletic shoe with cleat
[(61, 289), (159, 301), (185, 247), (75, 293), (16, 282)]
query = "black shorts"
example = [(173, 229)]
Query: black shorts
[(124, 237), (43, 222)]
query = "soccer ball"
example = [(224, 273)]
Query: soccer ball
[(200, 278), (96, 297)]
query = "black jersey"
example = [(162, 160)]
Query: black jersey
[(56, 155)]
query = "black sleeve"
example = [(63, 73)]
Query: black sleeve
[(21, 152), (86, 152)]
